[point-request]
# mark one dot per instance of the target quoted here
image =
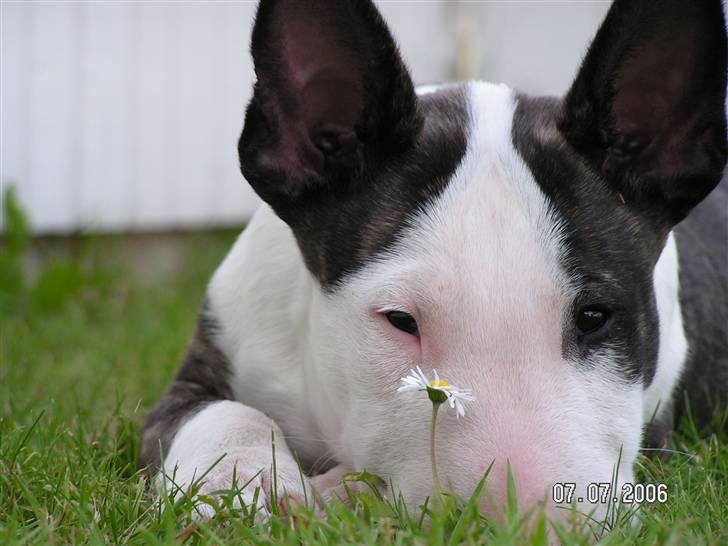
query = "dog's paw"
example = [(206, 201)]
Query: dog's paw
[(243, 476), (335, 482)]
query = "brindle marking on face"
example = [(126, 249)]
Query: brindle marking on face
[(609, 252)]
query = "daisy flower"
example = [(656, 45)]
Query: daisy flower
[(438, 390)]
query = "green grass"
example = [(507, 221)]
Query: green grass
[(92, 332)]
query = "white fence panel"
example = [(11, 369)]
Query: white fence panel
[(534, 46)]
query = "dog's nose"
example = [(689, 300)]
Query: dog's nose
[(519, 459)]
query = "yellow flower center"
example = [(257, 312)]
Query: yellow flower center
[(440, 384)]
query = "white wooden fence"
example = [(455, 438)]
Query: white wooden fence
[(125, 115)]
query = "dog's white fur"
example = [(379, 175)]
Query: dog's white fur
[(673, 345), (479, 269)]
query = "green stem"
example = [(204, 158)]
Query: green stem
[(433, 461)]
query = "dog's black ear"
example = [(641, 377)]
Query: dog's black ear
[(648, 105), (332, 93)]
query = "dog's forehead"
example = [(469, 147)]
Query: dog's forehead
[(520, 185), (491, 225), (493, 213), (465, 141)]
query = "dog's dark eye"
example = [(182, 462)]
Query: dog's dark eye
[(402, 321), (591, 319)]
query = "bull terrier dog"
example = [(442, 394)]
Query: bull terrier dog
[(566, 259)]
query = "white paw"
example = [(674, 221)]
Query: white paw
[(225, 451), (244, 476)]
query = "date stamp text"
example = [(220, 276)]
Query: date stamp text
[(605, 493)]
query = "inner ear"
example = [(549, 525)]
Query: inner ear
[(651, 85), (324, 80)]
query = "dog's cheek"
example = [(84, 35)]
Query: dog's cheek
[(356, 369)]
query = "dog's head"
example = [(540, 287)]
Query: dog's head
[(509, 242)]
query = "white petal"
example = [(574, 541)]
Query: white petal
[(410, 379), (422, 377), (463, 394)]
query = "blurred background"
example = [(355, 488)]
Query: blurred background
[(124, 116)]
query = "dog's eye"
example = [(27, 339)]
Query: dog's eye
[(402, 321), (591, 319)]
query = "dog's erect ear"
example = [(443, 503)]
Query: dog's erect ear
[(648, 105), (332, 94)]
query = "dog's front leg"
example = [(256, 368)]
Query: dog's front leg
[(229, 442), (203, 442)]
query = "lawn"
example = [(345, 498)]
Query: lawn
[(92, 330)]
